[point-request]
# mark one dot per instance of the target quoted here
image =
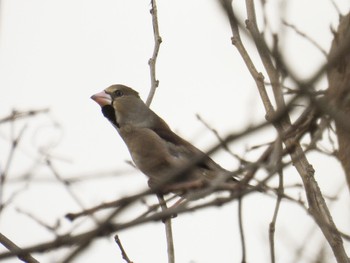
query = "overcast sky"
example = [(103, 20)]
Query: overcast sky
[(56, 54)]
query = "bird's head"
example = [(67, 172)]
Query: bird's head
[(122, 105), (113, 93)]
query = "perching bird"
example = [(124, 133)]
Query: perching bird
[(155, 149)]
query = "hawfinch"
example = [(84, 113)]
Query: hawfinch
[(155, 149)]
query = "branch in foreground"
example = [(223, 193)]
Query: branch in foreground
[(318, 207), (26, 257), (107, 227), (15, 115)]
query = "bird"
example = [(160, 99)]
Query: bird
[(156, 150)]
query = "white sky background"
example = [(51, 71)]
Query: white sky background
[(57, 54)]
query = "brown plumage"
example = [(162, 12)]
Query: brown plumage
[(155, 149)]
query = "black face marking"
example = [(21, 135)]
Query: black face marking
[(109, 113)]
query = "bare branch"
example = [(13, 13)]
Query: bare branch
[(25, 257), (241, 229), (308, 38), (338, 92), (124, 255), (318, 207), (4, 173), (16, 115), (168, 230), (152, 61), (277, 160)]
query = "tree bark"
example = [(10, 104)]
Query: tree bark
[(339, 91)]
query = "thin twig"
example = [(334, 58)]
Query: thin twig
[(120, 245), (168, 230), (241, 229), (265, 57), (153, 60), (15, 115), (308, 38), (4, 174), (237, 42), (217, 135), (306, 241), (83, 241), (68, 187), (280, 193), (39, 221), (336, 7)]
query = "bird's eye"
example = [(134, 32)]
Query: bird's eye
[(118, 93)]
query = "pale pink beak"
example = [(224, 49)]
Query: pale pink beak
[(102, 98)]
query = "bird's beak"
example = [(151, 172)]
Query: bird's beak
[(102, 98)]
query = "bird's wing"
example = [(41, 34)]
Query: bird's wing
[(182, 149)]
